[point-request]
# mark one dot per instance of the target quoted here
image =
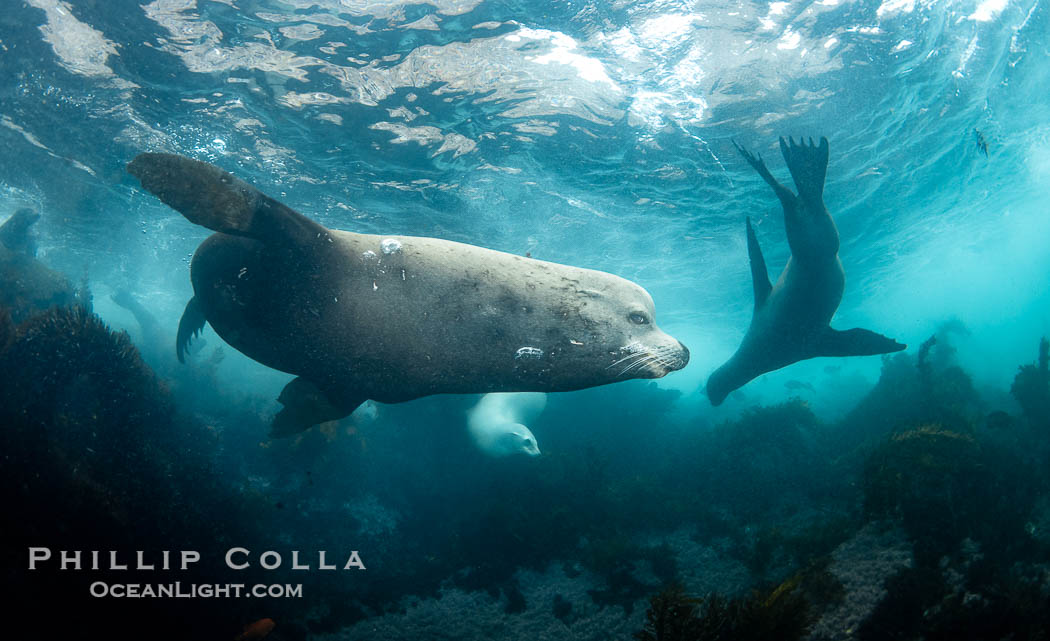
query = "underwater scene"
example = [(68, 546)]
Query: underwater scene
[(670, 320)]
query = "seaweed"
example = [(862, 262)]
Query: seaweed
[(900, 614), (912, 391), (921, 603), (93, 436), (1031, 388), (944, 486), (561, 608), (782, 613), (672, 616)]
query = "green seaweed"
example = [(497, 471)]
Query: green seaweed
[(782, 613), (944, 485), (1031, 388)]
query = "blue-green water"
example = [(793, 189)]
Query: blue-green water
[(598, 135)]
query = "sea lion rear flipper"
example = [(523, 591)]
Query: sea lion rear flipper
[(782, 192), (856, 342), (808, 164), (759, 274), (190, 325), (306, 405), (208, 196)]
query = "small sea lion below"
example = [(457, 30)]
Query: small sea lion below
[(497, 426), (394, 318), (790, 321)]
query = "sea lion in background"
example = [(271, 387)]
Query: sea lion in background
[(27, 286), (496, 423), (15, 232), (394, 318), (791, 319)]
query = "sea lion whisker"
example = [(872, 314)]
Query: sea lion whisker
[(634, 351), (638, 358), (620, 361), (645, 360)]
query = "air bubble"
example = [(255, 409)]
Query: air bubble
[(390, 246)]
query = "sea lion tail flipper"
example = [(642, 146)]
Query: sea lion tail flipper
[(759, 274), (211, 197), (808, 164), (856, 342), (190, 325), (782, 192), (306, 405)]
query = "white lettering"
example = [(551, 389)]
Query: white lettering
[(354, 561), (70, 558), (38, 554), (272, 565), (323, 565), (190, 556), (229, 558)]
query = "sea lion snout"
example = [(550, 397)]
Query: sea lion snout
[(669, 358), (640, 359), (683, 355)]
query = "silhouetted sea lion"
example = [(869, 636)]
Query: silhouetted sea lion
[(28, 286), (14, 233), (791, 320), (393, 318)]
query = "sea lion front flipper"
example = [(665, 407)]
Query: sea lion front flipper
[(855, 342), (759, 274), (190, 325), (210, 197), (808, 164), (306, 405)]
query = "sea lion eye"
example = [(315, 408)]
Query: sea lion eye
[(638, 318)]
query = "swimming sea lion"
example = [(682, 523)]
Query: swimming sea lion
[(496, 423), (791, 320), (394, 318), (15, 234), (27, 286)]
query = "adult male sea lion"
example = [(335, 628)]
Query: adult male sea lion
[(393, 318), (791, 319)]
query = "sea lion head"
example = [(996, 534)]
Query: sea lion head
[(606, 331), (512, 438), (643, 350)]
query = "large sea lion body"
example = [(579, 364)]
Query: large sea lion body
[(791, 320), (394, 318)]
